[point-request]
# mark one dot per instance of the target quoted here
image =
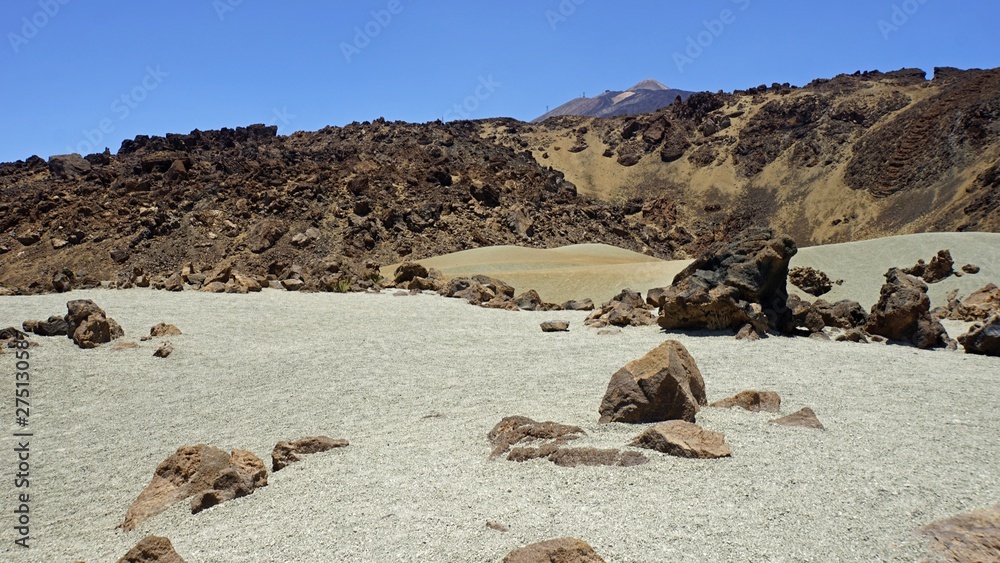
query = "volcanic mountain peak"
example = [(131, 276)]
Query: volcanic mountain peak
[(649, 84)]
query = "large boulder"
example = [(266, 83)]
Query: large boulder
[(68, 166), (683, 439), (205, 474), (409, 270), (562, 550), (902, 313), (152, 549), (983, 338), (743, 282), (973, 536), (665, 384), (287, 453), (88, 325)]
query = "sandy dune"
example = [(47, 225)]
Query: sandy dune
[(600, 271)]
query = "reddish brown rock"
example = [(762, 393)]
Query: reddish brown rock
[(152, 549), (842, 314), (974, 536), (562, 550), (88, 325), (206, 474), (164, 329), (978, 306), (286, 453), (665, 384), (591, 457), (810, 280), (164, 350), (983, 338), (805, 418), (941, 267), (683, 439), (903, 313), (54, 326), (555, 326), (755, 401), (518, 430), (625, 309)]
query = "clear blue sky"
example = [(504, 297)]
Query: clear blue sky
[(95, 72)]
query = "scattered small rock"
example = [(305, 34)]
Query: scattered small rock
[(496, 526), (665, 384), (152, 549), (164, 329), (683, 439), (164, 350), (970, 269), (124, 345), (555, 326), (754, 401), (805, 418), (562, 550), (581, 305), (748, 333), (287, 453)]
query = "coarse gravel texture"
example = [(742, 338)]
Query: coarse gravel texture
[(416, 382)]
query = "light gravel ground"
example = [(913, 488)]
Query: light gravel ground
[(912, 436)]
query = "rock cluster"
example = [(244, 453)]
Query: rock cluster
[(941, 267), (983, 338), (625, 309), (903, 313), (978, 306)]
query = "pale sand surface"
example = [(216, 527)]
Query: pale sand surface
[(600, 271), (913, 436)]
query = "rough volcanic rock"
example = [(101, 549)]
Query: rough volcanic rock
[(562, 550), (54, 326), (287, 453), (555, 326), (970, 269), (88, 325), (529, 301), (164, 350), (68, 166), (734, 284), (152, 549), (748, 333), (755, 401), (805, 417), (206, 474), (842, 314), (164, 329), (590, 457), (804, 314), (973, 536), (625, 309), (578, 305), (63, 281), (902, 313), (409, 270), (941, 267), (983, 338), (811, 281), (517, 430), (978, 306), (683, 439), (665, 384)]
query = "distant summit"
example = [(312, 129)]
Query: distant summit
[(645, 97)]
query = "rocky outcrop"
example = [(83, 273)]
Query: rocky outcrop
[(562, 550), (204, 474), (683, 439), (735, 284), (755, 401), (88, 325), (287, 453), (810, 280), (983, 338), (152, 549), (902, 313), (941, 267), (978, 306), (804, 417), (665, 384), (842, 314)]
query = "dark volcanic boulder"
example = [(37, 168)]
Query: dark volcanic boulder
[(54, 326), (744, 282), (88, 325), (68, 166), (941, 267), (842, 314), (983, 338), (902, 313), (810, 280), (665, 384)]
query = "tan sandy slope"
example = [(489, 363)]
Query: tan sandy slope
[(600, 271)]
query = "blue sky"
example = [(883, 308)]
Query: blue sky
[(79, 75)]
